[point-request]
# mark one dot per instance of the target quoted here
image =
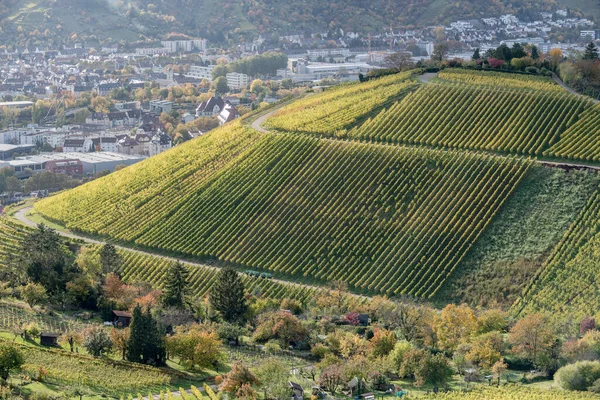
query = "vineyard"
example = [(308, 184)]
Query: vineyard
[(15, 316), (569, 282), (507, 120), (11, 235), (491, 79), (103, 375), (514, 392), (340, 108), (304, 207), (114, 205), (582, 140)]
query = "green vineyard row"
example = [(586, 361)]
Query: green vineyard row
[(569, 281)]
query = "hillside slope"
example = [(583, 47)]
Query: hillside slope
[(217, 20)]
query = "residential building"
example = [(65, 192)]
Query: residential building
[(161, 106), (210, 108), (76, 146), (228, 114), (237, 81), (200, 72)]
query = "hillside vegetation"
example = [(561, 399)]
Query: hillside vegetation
[(218, 21)]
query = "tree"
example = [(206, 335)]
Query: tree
[(78, 391), (71, 338), (531, 337), (10, 359), (434, 370), (176, 286), (578, 376), (498, 369), (221, 85), (587, 324), (556, 57), (96, 341), (34, 293), (454, 325), (476, 55), (146, 343), (273, 376), (535, 53), (110, 259), (280, 325), (120, 340), (331, 378), (238, 376), (227, 296), (591, 52), (400, 61), (47, 259), (396, 356), (486, 350), (196, 348), (382, 342), (440, 51)]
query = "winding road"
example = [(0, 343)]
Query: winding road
[(21, 216)]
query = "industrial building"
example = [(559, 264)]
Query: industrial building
[(91, 163)]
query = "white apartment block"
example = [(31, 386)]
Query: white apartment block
[(200, 72), (185, 45), (236, 80), (150, 51), (327, 53)]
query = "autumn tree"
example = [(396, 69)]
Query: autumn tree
[(486, 350), (556, 57), (72, 339), (196, 348), (532, 337), (120, 339), (238, 376), (273, 376), (382, 342), (440, 52), (455, 325)]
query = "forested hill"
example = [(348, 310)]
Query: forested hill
[(221, 20)]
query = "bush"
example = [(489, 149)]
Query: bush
[(532, 70), (578, 376)]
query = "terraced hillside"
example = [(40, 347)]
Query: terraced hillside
[(332, 193)]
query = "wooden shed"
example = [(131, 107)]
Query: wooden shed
[(49, 339), (121, 319)]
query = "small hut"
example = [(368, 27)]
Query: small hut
[(121, 319), (49, 339), (298, 392)]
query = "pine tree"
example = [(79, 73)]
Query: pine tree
[(137, 335), (591, 52), (176, 284), (535, 53), (146, 342), (110, 260), (476, 55), (227, 296)]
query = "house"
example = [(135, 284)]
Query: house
[(210, 108), (49, 339), (75, 146), (161, 106), (298, 392), (187, 117), (121, 319), (98, 118), (228, 114)]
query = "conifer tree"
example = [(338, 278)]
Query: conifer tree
[(146, 343), (476, 55), (137, 334), (176, 284), (535, 53), (591, 52), (110, 260), (227, 296)]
